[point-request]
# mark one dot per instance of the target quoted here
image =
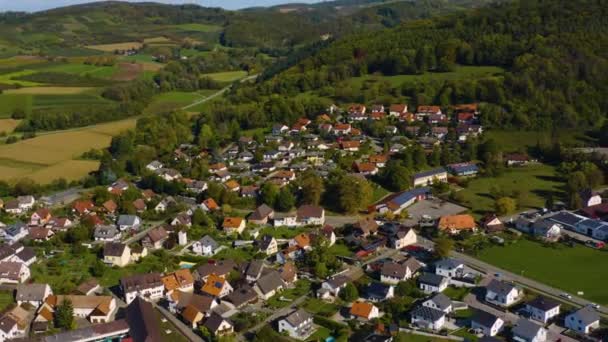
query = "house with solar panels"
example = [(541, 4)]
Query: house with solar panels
[(594, 228), (463, 169), (395, 203), (429, 177)]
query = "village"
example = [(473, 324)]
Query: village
[(182, 264)]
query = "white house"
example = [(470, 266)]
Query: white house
[(131, 222), (206, 246), (450, 268), (429, 177), (13, 272), (428, 318), (403, 238), (583, 321), (311, 215), (34, 294), (154, 165), (393, 273), (487, 323), (439, 302), (503, 293), (331, 288), (527, 331), (298, 324), (148, 286), (543, 309), (432, 283)]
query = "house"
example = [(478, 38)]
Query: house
[(82, 207), (279, 129), (543, 309), (96, 309), (350, 145), (502, 293), (241, 296), (267, 245), (583, 321), (13, 272), (221, 268), (393, 272), (432, 283), (154, 165), (429, 177), (26, 202), (379, 160), (252, 270), (301, 241), (106, 233), (428, 318), (128, 222), (12, 207), (526, 331), (109, 207), (365, 169), (182, 219), (209, 205), (89, 287), (454, 224), (249, 191), (297, 325), (463, 169), (289, 273), (486, 323), (143, 321), (40, 217), (403, 238), (397, 110), (449, 267), (517, 159), (492, 224), (216, 286), (192, 316), (164, 204), (40, 233), (590, 198), (342, 129), (327, 232), (33, 294), (218, 325), (15, 323), (116, 254), (140, 205), (331, 288), (311, 215), (439, 302), (378, 292), (206, 246), (148, 286), (15, 232), (180, 280), (233, 225), (428, 110), (365, 227), (155, 238), (364, 310), (168, 174), (269, 284), (395, 203)]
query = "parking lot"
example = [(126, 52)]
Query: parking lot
[(434, 208)]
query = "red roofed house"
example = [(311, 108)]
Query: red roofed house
[(366, 169), (233, 225), (82, 207), (40, 217), (397, 110), (352, 146), (209, 205)]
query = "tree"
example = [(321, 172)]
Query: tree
[(349, 293), (321, 271), (505, 205), (64, 315), (396, 176), (312, 188), (349, 193), (269, 194), (98, 268), (443, 247), (285, 200)]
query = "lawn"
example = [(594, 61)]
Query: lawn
[(193, 27), (116, 46), (10, 102), (571, 269), (419, 338), (513, 141), (227, 76), (172, 100), (11, 78), (49, 90), (302, 287), (6, 299), (317, 306), (53, 155), (82, 69), (461, 72), (320, 335), (534, 182), (456, 293)]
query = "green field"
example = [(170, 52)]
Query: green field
[(461, 72), (173, 100), (193, 27), (82, 69), (11, 78), (521, 140), (27, 102), (6, 299), (572, 269), (533, 181), (226, 76), (10, 102)]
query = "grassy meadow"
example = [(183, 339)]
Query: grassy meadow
[(227, 76), (116, 46)]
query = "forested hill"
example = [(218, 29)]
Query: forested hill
[(554, 53)]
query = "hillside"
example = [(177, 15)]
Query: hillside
[(553, 53)]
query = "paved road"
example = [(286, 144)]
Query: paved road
[(220, 92), (140, 235)]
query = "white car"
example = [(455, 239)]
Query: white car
[(565, 295), (595, 306)]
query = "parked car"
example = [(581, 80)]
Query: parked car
[(565, 295)]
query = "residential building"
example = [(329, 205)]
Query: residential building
[(393, 272), (155, 238), (432, 283), (13, 272), (429, 177), (218, 325), (267, 245), (116, 254), (439, 302), (331, 288), (449, 267), (206, 246), (261, 215), (148, 286), (33, 294), (454, 224), (364, 311), (583, 320), (242, 296), (428, 318), (311, 215), (106, 233), (486, 323), (180, 280), (233, 225), (216, 286), (96, 309), (269, 284), (527, 331), (143, 321), (543, 309), (297, 325), (403, 238), (503, 293), (378, 292)]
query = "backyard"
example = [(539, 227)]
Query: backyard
[(572, 269)]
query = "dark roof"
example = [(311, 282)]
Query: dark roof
[(429, 172), (253, 268), (566, 218), (413, 264), (140, 281), (393, 269), (298, 317), (143, 322), (484, 318), (270, 281), (209, 241), (220, 268), (431, 279), (338, 281), (261, 212), (26, 254), (427, 313), (30, 292), (441, 301), (543, 303), (113, 249), (214, 321), (377, 291), (448, 263), (587, 315), (403, 197), (500, 287), (526, 329), (306, 211), (242, 295)]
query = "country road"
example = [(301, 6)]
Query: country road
[(220, 92)]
